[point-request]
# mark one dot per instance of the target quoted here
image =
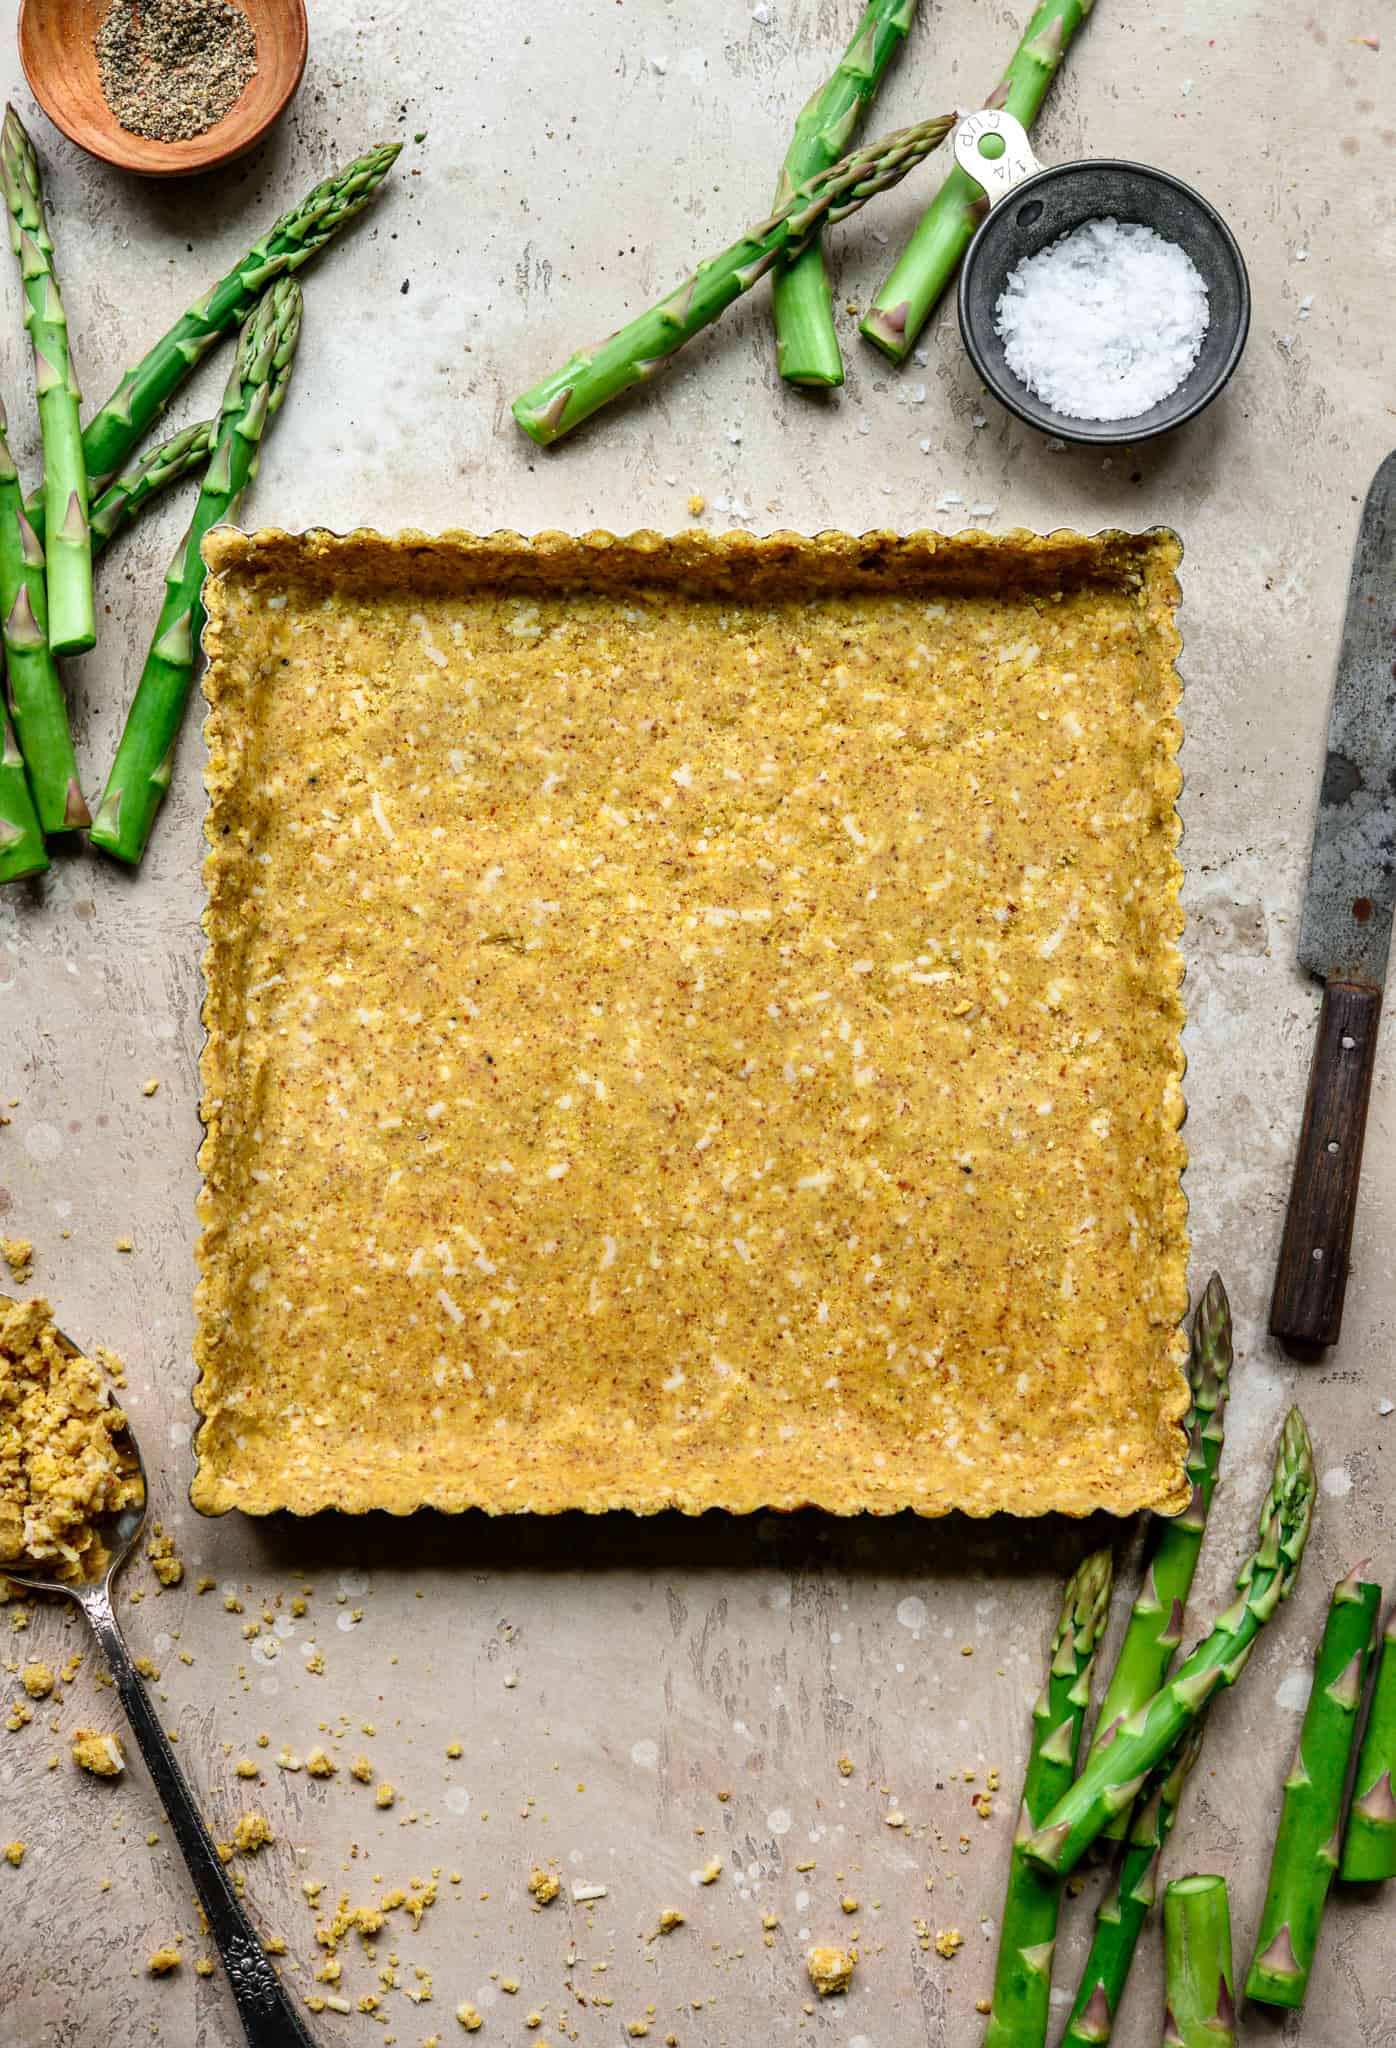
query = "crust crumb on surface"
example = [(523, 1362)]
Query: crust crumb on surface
[(830, 1970), (718, 999), (544, 1886), (61, 1466), (13, 1853), (37, 1680), (163, 1961), (18, 1254), (251, 1832), (168, 1568), (98, 1753)]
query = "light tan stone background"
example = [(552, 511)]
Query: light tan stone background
[(609, 1681)]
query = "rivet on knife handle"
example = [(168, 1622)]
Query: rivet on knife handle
[(1308, 1302)]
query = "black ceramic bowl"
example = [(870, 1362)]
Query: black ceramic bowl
[(1051, 204)]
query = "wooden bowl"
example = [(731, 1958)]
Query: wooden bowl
[(57, 47)]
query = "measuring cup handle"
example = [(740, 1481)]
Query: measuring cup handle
[(269, 2019)]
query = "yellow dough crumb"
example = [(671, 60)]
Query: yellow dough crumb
[(14, 1853), (361, 1769), (669, 1919), (469, 2017), (845, 1767), (384, 1795), (252, 1832), (149, 1087), (161, 1552), (61, 1467), (544, 1886), (124, 1244), (37, 1681), (97, 1753), (849, 1905), (697, 504), (948, 1940), (320, 1765), (163, 1961), (454, 1750), (203, 1967), (19, 1257), (19, 1716), (830, 1970), (711, 1871)]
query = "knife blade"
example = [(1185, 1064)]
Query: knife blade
[(1345, 935)]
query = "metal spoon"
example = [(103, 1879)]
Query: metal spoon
[(269, 2019)]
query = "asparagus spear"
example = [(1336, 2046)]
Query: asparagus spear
[(1121, 1916), (1306, 1847), (1369, 1846), (946, 229), (141, 772), (594, 376), (1155, 1627), (21, 841), (1113, 1779), (144, 392), (1201, 2007), (807, 348), (1028, 1931), (36, 694), (127, 493), (72, 621)]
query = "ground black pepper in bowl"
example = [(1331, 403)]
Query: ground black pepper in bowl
[(171, 69)]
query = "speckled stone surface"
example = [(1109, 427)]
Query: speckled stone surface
[(575, 160)]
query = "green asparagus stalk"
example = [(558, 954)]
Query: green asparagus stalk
[(1028, 1932), (39, 708), (1121, 1916), (143, 393), (128, 493), (1201, 2006), (1113, 1779), (594, 376), (946, 229), (1155, 1629), (807, 347), (72, 626), (1369, 1846), (1306, 1847), (21, 840), (141, 772)]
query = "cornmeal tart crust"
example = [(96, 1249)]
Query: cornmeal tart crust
[(692, 1023)]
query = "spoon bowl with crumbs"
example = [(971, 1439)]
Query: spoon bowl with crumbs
[(165, 88), (74, 1540)]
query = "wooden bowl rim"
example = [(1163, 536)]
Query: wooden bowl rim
[(283, 21)]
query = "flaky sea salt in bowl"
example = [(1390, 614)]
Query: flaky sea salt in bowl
[(1056, 338)]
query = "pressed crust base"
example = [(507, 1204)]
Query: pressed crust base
[(692, 1023)]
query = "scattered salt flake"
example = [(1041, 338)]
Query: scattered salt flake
[(983, 511), (734, 435), (1385, 1407), (978, 419), (948, 500), (864, 424), (1305, 305), (761, 15), (1105, 322), (1301, 255), (585, 1894), (924, 446), (660, 64), (920, 358), (1186, 88)]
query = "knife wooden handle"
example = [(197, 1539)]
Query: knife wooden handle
[(1307, 1306)]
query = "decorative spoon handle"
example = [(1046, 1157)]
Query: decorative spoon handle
[(269, 2019)]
